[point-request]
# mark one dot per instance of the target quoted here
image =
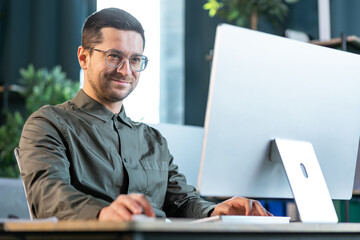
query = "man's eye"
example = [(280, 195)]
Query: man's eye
[(114, 55), (136, 59)]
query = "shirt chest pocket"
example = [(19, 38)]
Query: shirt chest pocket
[(151, 180)]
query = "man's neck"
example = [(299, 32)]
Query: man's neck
[(114, 107)]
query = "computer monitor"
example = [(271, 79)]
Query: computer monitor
[(264, 87)]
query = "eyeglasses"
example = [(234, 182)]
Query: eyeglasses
[(115, 58)]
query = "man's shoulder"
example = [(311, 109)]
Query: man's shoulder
[(46, 118), (50, 113), (49, 110)]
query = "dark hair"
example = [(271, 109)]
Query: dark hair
[(108, 17)]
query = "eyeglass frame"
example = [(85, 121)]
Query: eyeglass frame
[(122, 62)]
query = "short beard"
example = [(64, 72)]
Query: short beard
[(103, 89)]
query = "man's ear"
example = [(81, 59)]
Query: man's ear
[(83, 57)]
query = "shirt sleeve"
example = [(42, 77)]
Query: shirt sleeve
[(46, 169), (182, 200)]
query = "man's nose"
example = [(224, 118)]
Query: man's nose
[(125, 68)]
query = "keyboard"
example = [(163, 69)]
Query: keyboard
[(244, 219), (220, 219)]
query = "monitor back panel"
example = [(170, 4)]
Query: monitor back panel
[(264, 87)]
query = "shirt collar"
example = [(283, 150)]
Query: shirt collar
[(124, 118), (96, 109)]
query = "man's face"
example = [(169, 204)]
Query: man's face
[(108, 84)]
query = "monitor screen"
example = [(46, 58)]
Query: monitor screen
[(264, 87)]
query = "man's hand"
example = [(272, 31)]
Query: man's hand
[(240, 206), (125, 206)]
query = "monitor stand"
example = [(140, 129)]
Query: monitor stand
[(306, 180)]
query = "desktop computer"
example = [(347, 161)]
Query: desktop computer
[(265, 87)]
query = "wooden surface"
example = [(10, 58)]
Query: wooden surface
[(337, 42), (93, 230), (183, 226)]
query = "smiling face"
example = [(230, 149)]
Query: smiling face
[(107, 85)]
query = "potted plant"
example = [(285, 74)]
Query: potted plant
[(245, 12)]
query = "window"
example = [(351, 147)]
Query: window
[(143, 103)]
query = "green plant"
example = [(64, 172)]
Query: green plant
[(9, 138), (41, 87), (241, 12)]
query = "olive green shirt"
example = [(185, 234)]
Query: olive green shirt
[(77, 157)]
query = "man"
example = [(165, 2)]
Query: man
[(85, 159)]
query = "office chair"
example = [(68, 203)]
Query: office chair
[(16, 152), (185, 144)]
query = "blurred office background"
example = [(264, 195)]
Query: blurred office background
[(180, 36)]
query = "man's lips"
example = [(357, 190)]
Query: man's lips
[(120, 80)]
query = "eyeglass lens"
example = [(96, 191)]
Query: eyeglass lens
[(115, 59)]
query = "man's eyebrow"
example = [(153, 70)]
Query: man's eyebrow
[(134, 54)]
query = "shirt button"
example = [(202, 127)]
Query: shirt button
[(125, 160)]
